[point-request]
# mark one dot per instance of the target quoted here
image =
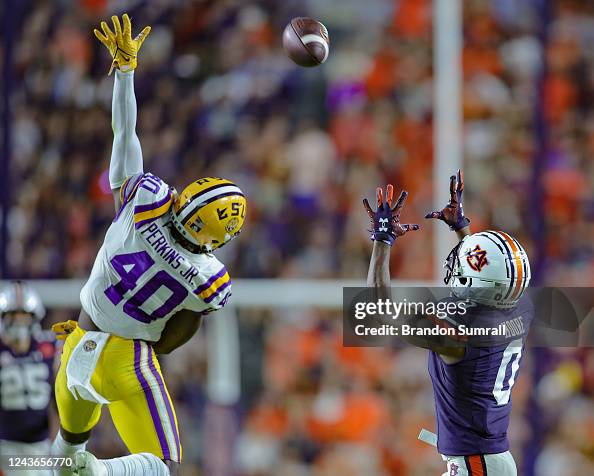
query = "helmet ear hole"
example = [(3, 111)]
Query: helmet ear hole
[(197, 224)]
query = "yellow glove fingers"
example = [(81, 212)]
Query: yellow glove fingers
[(101, 37), (142, 36), (64, 329), (107, 31), (120, 44), (116, 26), (127, 26)]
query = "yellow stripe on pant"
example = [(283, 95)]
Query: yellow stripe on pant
[(129, 376)]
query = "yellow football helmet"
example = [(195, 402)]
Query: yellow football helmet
[(209, 212)]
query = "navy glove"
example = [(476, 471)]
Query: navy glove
[(453, 213), (385, 221)]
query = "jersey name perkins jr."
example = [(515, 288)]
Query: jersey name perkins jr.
[(156, 239)]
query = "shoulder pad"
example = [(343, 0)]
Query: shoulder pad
[(128, 188), (152, 198)]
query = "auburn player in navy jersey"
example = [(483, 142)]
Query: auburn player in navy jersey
[(472, 382), (26, 374)]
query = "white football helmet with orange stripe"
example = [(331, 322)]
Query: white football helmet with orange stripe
[(490, 268)]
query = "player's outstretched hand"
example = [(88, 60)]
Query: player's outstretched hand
[(385, 221), (453, 213), (122, 47)]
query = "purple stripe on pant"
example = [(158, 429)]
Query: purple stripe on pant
[(159, 379), (151, 402)]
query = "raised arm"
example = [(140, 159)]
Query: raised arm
[(385, 228), (126, 154)]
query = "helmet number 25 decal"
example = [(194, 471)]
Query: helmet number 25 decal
[(130, 267)]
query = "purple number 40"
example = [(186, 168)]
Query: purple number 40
[(130, 267)]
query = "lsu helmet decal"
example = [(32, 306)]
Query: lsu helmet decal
[(209, 212), (490, 268)]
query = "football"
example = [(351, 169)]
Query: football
[(306, 41)]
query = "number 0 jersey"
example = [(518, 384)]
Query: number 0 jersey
[(473, 396), (142, 276)]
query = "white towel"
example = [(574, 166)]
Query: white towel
[(428, 437), (81, 366)]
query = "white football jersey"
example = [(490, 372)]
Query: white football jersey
[(142, 276)]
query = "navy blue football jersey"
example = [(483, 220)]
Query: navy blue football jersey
[(473, 396), (25, 391)]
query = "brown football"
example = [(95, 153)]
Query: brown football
[(306, 41)]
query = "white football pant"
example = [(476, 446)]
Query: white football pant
[(500, 464)]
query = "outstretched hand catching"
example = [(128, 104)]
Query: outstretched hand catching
[(385, 221), (122, 47), (453, 213)]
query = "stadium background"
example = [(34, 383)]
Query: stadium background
[(217, 96)]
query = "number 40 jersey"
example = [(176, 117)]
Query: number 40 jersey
[(142, 276)]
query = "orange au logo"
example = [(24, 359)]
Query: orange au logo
[(477, 258)]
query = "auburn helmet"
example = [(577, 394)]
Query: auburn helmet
[(209, 212), (490, 268), (17, 296)]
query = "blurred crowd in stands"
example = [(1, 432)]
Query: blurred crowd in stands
[(217, 96)]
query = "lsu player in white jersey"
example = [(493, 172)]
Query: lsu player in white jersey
[(152, 281)]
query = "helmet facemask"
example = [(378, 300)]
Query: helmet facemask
[(17, 328)]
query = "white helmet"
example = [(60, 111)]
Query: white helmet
[(18, 296), (489, 268)]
